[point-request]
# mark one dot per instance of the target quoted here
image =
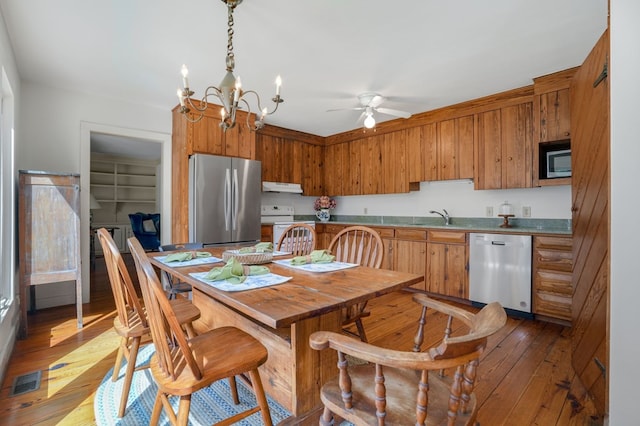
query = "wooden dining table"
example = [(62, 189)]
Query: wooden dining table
[(283, 316)]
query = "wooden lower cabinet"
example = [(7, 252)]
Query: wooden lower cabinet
[(410, 253), (552, 265), (266, 233), (447, 264)]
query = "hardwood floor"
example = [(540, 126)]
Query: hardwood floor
[(525, 375)]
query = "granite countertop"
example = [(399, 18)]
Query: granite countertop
[(519, 225)]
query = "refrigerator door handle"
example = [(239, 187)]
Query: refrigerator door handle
[(234, 198), (227, 198)]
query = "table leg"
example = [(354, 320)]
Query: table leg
[(293, 373)]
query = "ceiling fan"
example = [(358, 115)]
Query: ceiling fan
[(369, 103)]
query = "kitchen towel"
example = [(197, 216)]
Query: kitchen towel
[(316, 256), (235, 272), (258, 248), (184, 256)]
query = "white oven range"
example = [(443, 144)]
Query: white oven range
[(281, 217)]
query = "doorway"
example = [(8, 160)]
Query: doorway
[(128, 143)]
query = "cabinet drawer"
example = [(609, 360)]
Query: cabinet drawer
[(411, 234), (553, 260), (448, 237), (333, 229), (553, 281), (384, 232), (553, 305), (557, 243)]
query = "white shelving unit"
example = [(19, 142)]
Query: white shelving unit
[(122, 186)]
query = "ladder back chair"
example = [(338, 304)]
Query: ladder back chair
[(409, 387), (183, 365), (176, 287), (298, 238), (361, 245), (131, 321)]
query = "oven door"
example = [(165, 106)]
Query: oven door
[(280, 227)]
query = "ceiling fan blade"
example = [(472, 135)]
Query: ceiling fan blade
[(346, 109), (361, 118), (376, 101), (394, 112)]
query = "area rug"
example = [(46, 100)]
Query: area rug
[(209, 405)]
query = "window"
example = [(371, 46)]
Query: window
[(7, 239)]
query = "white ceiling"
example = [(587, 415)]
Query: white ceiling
[(420, 54)]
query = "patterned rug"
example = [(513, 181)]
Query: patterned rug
[(209, 405)]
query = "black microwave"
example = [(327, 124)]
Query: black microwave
[(558, 163)]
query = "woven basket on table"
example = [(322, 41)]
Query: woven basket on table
[(248, 258)]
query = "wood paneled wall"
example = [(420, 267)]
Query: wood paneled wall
[(590, 208)]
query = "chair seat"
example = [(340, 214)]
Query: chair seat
[(233, 353), (134, 329), (180, 288), (185, 310), (401, 398)]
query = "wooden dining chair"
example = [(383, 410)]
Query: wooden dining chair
[(183, 365), (405, 387), (177, 287), (361, 245), (131, 321), (298, 238)]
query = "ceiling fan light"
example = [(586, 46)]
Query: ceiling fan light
[(369, 121)]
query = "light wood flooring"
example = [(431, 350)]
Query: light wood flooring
[(525, 375)]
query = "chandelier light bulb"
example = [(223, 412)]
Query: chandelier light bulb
[(278, 85), (185, 72), (369, 122)]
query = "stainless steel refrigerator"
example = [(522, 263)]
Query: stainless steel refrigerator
[(224, 199)]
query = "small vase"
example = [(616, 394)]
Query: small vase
[(323, 215)]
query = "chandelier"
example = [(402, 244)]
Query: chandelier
[(229, 93)]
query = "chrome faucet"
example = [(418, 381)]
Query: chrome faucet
[(445, 216)]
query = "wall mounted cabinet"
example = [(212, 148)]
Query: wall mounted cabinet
[(503, 147), (551, 118)]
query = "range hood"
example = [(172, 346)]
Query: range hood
[(293, 188)]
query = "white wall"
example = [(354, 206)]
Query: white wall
[(625, 205), (54, 137), (457, 197)]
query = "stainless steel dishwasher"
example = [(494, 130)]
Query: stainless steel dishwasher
[(500, 270)]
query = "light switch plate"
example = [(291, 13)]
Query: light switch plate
[(526, 211), (489, 211)]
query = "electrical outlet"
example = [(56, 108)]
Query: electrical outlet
[(489, 211), (366, 210), (526, 211)]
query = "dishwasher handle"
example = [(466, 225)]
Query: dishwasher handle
[(498, 243)]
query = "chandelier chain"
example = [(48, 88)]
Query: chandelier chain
[(230, 55)]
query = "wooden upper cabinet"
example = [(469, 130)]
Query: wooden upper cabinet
[(455, 148), (291, 161), (441, 150), (503, 147), (333, 168), (551, 118), (554, 110), (394, 162), (311, 168), (371, 165), (516, 122), (207, 137)]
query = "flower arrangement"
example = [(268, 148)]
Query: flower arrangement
[(324, 202)]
